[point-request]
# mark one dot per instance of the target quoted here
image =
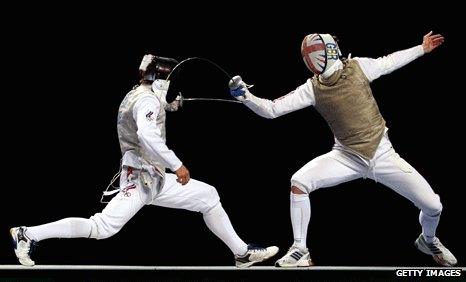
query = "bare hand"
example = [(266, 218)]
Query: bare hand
[(183, 175), (430, 42)]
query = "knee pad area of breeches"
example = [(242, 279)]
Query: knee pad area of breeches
[(303, 188), (102, 229), (208, 199), (433, 208), (302, 182)]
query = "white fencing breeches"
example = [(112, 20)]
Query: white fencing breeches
[(194, 196), (387, 167)]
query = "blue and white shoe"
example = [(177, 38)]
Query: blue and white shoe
[(438, 251), (255, 254), (23, 245), (295, 257)]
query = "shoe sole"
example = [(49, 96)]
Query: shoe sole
[(246, 265), (442, 262), (304, 263)]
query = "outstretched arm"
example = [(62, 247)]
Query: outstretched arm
[(374, 68), (300, 98)]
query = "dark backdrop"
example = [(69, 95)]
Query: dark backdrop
[(71, 66)]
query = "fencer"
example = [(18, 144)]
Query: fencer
[(340, 91), (143, 181)]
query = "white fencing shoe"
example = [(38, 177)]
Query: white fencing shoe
[(438, 251), (295, 257), (23, 245), (255, 254)]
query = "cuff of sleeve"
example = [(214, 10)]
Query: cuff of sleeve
[(420, 50), (176, 166), (247, 96)]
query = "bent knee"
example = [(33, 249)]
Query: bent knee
[(208, 199), (298, 186), (434, 207), (297, 190), (213, 192), (305, 181), (102, 229), (210, 195)]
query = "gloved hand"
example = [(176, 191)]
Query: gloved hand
[(238, 88), (175, 105)]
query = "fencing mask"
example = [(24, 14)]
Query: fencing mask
[(320, 52), (154, 67)]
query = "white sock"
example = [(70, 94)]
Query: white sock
[(429, 226), (72, 227), (218, 222), (300, 211)]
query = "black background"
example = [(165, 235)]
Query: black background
[(70, 66)]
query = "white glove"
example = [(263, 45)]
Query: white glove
[(175, 105), (238, 88)]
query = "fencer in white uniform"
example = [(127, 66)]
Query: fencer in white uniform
[(143, 181), (340, 92)]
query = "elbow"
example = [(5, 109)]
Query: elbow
[(268, 115), (264, 114), (274, 113)]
